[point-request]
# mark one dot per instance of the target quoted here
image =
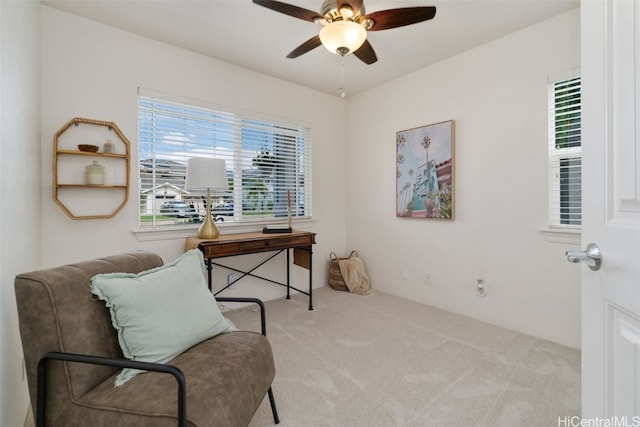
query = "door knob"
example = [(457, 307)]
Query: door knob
[(592, 256)]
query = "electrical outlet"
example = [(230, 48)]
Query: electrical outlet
[(231, 280), (404, 273), (427, 278), (481, 288)]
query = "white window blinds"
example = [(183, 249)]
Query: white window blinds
[(268, 164), (565, 153)]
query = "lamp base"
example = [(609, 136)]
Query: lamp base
[(208, 229)]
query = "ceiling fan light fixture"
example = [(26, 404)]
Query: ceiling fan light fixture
[(340, 35), (346, 12)]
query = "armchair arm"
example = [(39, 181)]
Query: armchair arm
[(107, 361), (263, 323)]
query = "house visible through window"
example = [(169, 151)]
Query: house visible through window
[(268, 164), (565, 153)]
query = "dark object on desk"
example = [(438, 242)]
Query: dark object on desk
[(273, 229)]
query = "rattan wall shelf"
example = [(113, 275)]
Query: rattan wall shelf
[(68, 186)]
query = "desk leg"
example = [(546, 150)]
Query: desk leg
[(288, 275), (209, 269), (310, 277)]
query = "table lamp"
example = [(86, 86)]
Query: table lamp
[(206, 173)]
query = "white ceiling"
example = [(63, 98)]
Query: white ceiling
[(253, 37)]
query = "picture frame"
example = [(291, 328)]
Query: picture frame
[(425, 165)]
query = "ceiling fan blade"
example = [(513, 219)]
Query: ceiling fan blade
[(356, 5), (392, 18), (366, 53), (289, 9), (305, 47)]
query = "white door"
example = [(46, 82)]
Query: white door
[(611, 205)]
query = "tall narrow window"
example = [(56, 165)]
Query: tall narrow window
[(565, 153), (268, 164)]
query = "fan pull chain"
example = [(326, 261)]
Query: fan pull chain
[(341, 88)]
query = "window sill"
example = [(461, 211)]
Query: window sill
[(563, 235), (184, 231)]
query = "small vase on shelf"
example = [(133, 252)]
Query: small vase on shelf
[(108, 147)]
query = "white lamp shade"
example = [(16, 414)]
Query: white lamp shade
[(345, 34), (204, 173)]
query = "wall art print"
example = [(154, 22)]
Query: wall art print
[(425, 171)]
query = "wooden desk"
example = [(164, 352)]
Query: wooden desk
[(248, 243)]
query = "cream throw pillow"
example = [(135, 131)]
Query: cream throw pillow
[(162, 312)]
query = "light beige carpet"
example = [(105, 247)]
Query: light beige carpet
[(380, 360)]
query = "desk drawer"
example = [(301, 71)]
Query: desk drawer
[(258, 245), (283, 242), (239, 246)]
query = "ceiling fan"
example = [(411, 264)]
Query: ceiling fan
[(345, 25)]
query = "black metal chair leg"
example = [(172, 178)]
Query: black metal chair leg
[(273, 407)]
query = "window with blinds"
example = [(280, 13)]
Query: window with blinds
[(268, 165), (565, 153)]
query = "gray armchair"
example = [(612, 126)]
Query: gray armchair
[(72, 356)]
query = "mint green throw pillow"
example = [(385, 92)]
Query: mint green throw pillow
[(162, 312)]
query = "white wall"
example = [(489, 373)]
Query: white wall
[(497, 95), (93, 71), (19, 186)]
